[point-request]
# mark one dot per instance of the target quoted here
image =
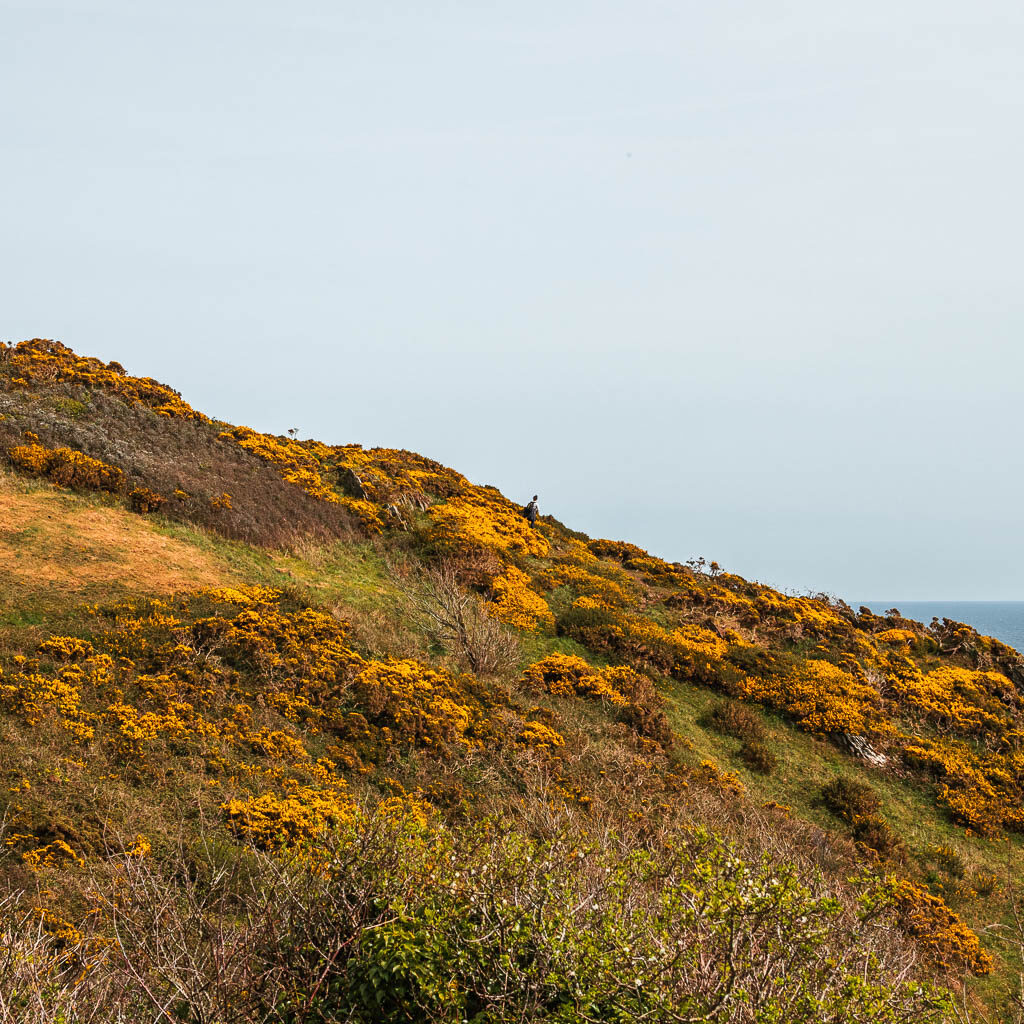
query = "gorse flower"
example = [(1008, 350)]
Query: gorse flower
[(43, 361), (516, 604), (478, 520), (66, 467)]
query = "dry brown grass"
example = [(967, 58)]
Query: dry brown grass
[(54, 546)]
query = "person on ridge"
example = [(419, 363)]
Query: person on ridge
[(531, 512)]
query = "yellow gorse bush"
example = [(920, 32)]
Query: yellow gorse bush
[(822, 697), (980, 789), (272, 822), (586, 584), (948, 942), (565, 675), (668, 649), (66, 467), (478, 521), (964, 699), (365, 482), (417, 703), (41, 361), (895, 636), (516, 604), (540, 736), (57, 854), (289, 457)]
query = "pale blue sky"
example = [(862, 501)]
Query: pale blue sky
[(736, 279)]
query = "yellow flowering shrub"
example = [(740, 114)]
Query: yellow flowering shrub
[(366, 512), (55, 854), (307, 649), (132, 730), (941, 933), (516, 604), (39, 697), (417, 703), (566, 675), (66, 467), (143, 500), (964, 699), (41, 361), (728, 782), (671, 650), (586, 584), (370, 484), (298, 659), (142, 847), (578, 553), (476, 520), (242, 596), (402, 808), (895, 636), (66, 648), (290, 457), (278, 745), (656, 569), (616, 549), (981, 790), (816, 615), (540, 736), (391, 476), (704, 595), (272, 822), (700, 640), (822, 697)]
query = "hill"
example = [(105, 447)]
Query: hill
[(305, 732)]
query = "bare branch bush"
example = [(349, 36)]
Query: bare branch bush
[(395, 919), (456, 618)]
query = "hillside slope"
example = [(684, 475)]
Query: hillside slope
[(268, 705)]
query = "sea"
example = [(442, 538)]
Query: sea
[(1002, 619)]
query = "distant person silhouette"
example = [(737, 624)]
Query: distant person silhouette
[(531, 512)]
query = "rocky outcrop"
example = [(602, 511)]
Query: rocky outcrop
[(860, 747)]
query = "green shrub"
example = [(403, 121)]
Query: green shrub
[(875, 834), (757, 757), (437, 928), (950, 860), (734, 719), (591, 627), (984, 883), (850, 799), (70, 407)]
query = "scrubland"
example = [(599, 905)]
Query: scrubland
[(297, 732)]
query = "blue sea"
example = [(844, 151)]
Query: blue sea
[(1002, 619)]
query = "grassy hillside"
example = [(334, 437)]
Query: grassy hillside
[(300, 732)]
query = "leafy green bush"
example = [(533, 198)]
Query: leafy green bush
[(398, 919), (495, 927)]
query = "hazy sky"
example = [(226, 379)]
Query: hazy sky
[(739, 279)]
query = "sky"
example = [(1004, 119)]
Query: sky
[(739, 280)]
